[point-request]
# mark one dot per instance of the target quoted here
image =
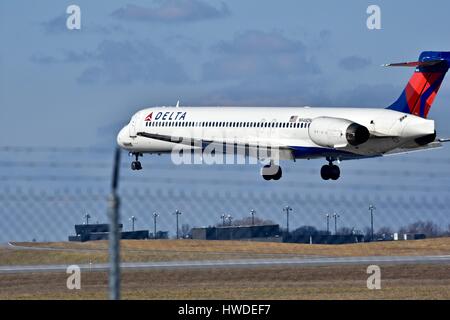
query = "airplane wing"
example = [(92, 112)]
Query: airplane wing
[(284, 151), (201, 142)]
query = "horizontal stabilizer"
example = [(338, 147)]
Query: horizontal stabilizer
[(413, 64), (433, 145)]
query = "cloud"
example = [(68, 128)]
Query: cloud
[(43, 59), (120, 62), (367, 95), (67, 57), (57, 25), (183, 43), (259, 42), (255, 54), (325, 35), (267, 92), (128, 62), (353, 63), (172, 11)]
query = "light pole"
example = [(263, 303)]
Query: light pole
[(328, 223), (371, 208), (252, 212), (287, 209), (230, 219), (132, 219), (223, 217), (335, 216), (177, 213), (155, 215), (87, 216)]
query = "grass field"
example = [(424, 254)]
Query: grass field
[(421, 281), (169, 250), (342, 282)]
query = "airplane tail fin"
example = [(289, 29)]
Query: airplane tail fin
[(422, 87)]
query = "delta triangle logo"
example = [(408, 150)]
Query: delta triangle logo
[(149, 117)]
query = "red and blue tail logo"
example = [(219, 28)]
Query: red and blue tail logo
[(419, 94)]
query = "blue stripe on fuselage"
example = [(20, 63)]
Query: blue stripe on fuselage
[(314, 152)]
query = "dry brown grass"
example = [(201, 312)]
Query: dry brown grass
[(35, 257), (166, 250), (287, 282)]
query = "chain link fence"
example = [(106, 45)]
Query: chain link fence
[(45, 191)]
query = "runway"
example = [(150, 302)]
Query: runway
[(239, 263)]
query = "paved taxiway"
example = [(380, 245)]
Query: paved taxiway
[(238, 263)]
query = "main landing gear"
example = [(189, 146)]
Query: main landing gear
[(330, 171), (136, 165), (271, 172)]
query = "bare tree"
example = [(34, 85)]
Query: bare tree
[(428, 228), (305, 230), (247, 221), (345, 231), (385, 230), (367, 232)]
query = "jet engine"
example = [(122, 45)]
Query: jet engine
[(337, 132)]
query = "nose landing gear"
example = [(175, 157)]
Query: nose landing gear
[(136, 165), (330, 171)]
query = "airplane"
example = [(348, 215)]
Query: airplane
[(290, 133)]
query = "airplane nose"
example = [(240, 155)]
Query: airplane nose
[(121, 137)]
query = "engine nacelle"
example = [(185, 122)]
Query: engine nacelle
[(337, 132)]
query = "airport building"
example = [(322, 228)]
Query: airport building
[(325, 238), (90, 232), (270, 233), (255, 233), (160, 235)]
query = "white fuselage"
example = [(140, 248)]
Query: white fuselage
[(288, 127)]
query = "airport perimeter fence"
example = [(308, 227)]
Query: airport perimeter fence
[(45, 192)]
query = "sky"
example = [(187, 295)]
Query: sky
[(61, 87)]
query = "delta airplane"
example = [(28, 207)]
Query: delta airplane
[(290, 133)]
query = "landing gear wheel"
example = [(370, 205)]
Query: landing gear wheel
[(266, 177), (335, 172), (271, 172), (136, 165), (278, 175), (330, 171), (325, 172)]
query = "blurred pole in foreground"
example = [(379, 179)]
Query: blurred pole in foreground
[(114, 235)]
